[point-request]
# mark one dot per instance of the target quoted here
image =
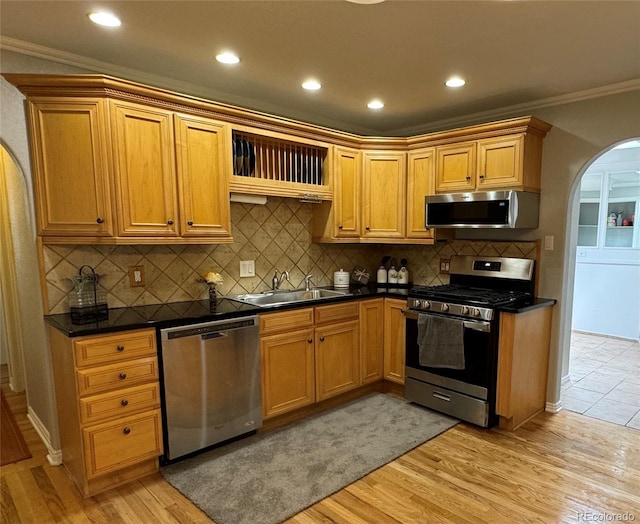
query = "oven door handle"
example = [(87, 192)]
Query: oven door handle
[(476, 325)]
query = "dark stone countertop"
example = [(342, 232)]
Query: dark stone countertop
[(192, 312), (528, 305)]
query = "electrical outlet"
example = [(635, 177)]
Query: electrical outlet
[(136, 276), (444, 265), (247, 268)]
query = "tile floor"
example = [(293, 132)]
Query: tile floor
[(604, 379)]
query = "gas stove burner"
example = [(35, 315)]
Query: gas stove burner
[(468, 295)]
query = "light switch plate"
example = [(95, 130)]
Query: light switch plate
[(247, 268), (548, 243)]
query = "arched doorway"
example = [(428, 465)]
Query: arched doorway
[(603, 365), (11, 341)]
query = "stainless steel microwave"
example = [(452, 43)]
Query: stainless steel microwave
[(483, 209)]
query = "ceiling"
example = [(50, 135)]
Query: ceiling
[(515, 55)]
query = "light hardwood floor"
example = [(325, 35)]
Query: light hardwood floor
[(556, 468)]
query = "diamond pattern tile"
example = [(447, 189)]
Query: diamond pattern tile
[(276, 235)]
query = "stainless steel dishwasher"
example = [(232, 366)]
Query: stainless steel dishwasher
[(211, 385)]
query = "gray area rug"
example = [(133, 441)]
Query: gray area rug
[(268, 478)]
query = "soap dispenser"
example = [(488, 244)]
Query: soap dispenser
[(403, 274)]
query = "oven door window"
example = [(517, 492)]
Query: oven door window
[(479, 356)]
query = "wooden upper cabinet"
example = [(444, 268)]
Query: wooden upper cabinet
[(202, 166), (384, 194), (456, 167), (346, 195), (144, 165), (504, 162), (70, 156), (500, 162), (420, 183)]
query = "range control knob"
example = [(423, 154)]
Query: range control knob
[(475, 312), (426, 304), (464, 310), (444, 307)]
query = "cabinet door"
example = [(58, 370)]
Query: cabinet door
[(346, 197), (144, 168), (337, 359), (420, 183), (384, 189), (287, 371), (500, 162), (69, 146), (203, 163), (394, 340), (456, 167), (371, 340)]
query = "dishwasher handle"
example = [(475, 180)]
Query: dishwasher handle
[(215, 335), (210, 329)]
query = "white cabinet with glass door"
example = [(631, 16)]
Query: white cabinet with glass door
[(607, 278)]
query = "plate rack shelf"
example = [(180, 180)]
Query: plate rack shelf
[(263, 162)]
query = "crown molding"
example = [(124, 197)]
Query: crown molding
[(90, 64)]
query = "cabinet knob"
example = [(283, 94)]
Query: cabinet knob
[(120, 348), (122, 376), (310, 341), (126, 430), (480, 176), (468, 178), (100, 220), (124, 402), (340, 226), (321, 339), (170, 222), (190, 222), (367, 228)]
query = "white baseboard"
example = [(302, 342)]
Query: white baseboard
[(54, 456), (553, 407)]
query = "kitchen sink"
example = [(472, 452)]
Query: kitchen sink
[(277, 298)]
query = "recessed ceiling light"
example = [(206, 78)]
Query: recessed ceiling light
[(311, 85), (105, 19), (375, 104), (227, 58), (455, 81)]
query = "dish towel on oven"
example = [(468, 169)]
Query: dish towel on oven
[(440, 342)]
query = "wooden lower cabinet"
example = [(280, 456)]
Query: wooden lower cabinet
[(108, 400), (287, 363), (523, 364), (371, 340), (337, 359), (394, 339)]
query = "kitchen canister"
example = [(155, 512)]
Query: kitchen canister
[(341, 278)]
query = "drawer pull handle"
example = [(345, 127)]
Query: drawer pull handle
[(442, 396), (124, 402), (120, 348), (122, 376), (126, 431)]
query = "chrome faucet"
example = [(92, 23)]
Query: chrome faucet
[(307, 281), (277, 282)]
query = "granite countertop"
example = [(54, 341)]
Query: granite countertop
[(180, 313)]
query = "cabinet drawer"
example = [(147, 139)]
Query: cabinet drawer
[(121, 403), (105, 349), (336, 312), (117, 445), (286, 321), (115, 376)]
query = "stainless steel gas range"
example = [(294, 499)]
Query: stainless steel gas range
[(452, 335)]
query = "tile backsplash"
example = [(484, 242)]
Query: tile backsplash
[(276, 235)]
